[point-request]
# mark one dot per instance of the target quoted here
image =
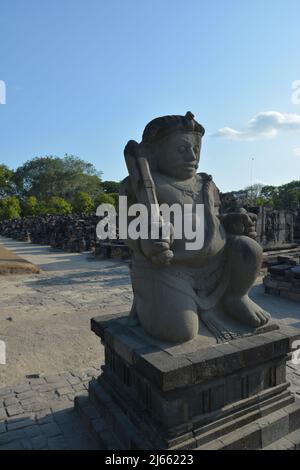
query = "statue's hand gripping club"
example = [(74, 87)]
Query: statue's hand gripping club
[(158, 250)]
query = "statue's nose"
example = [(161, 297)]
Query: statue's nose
[(189, 155)]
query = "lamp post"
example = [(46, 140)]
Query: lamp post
[(251, 181)]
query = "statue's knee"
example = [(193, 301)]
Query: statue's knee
[(174, 324), (184, 326), (248, 250)]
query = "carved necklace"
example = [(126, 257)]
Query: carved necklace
[(190, 188)]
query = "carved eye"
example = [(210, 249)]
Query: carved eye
[(182, 148)]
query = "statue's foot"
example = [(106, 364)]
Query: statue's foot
[(245, 311)]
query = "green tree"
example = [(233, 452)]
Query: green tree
[(58, 205), (115, 197), (104, 198), (269, 195), (110, 186), (42, 208), (10, 208), (48, 176), (30, 206), (6, 181), (83, 203)]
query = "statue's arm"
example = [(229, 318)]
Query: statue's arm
[(235, 223), (126, 190)]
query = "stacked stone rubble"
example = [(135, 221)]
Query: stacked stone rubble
[(71, 233), (283, 277)]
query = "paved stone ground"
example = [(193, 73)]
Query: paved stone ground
[(45, 321), (45, 318), (39, 414)]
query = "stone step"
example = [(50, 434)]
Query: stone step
[(117, 420), (290, 442), (238, 420), (261, 433), (95, 424)]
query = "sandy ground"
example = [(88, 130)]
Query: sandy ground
[(11, 263), (45, 318)]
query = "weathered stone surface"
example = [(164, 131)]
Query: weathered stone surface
[(172, 282), (232, 394)]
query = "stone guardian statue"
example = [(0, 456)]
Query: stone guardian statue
[(177, 289)]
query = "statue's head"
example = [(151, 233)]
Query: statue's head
[(173, 145)]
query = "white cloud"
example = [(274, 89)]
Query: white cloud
[(296, 152), (266, 124)]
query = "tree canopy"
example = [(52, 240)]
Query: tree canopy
[(48, 176), (286, 196), (53, 185), (6, 181)]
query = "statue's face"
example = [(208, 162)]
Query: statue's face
[(178, 155)]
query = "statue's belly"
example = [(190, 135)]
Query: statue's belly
[(199, 257)]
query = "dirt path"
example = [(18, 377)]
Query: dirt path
[(45, 318)]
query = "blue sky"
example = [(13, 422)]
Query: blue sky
[(85, 76)]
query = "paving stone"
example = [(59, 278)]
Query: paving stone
[(39, 381), (71, 428), (81, 375), (80, 387), (50, 430), (18, 424), (74, 380), (5, 392), (11, 436), (12, 446), (39, 406), (64, 391), (26, 443), (2, 427), (57, 443), (52, 378), (92, 372), (28, 394), (61, 405), (25, 387), (33, 406), (44, 418), (37, 387), (60, 384), (49, 396), (65, 375), (11, 401), (14, 410), (64, 416), (45, 388), (39, 442), (32, 431)]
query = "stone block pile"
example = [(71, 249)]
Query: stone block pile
[(71, 233), (283, 277)]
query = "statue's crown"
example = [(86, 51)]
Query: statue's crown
[(162, 126)]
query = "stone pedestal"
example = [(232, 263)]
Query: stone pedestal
[(199, 395)]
